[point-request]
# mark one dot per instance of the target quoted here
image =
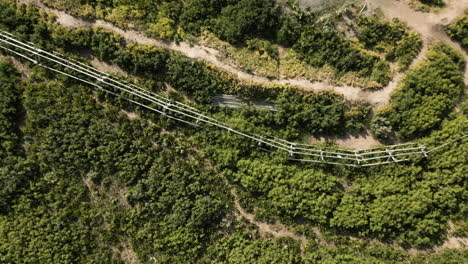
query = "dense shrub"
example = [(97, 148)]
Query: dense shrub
[(375, 30), (15, 172), (407, 49), (289, 31), (9, 109), (392, 38), (318, 48), (459, 31), (246, 18), (428, 93), (322, 113), (433, 2), (381, 126), (200, 13), (104, 187)]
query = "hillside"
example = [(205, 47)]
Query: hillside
[(111, 168)]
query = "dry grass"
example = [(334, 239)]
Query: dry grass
[(247, 60), (126, 254), (292, 67), (98, 194), (287, 66)]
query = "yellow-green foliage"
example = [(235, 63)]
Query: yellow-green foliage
[(286, 66), (392, 40), (122, 16), (292, 67), (459, 30), (257, 59), (427, 5), (428, 92)]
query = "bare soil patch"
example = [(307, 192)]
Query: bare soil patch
[(21, 67), (430, 25), (126, 253), (105, 67), (355, 141)]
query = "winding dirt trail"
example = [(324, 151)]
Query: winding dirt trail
[(375, 98), (428, 24)]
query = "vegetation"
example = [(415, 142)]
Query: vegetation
[(427, 5), (433, 2), (72, 160), (459, 31), (232, 20), (103, 180), (391, 38), (316, 46), (15, 171), (241, 22), (82, 182), (298, 112), (427, 94), (247, 17), (9, 109)]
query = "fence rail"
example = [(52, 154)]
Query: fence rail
[(187, 114)]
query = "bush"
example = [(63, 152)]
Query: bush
[(381, 126), (373, 30), (393, 38), (289, 31), (428, 93), (459, 31), (9, 109), (246, 18), (433, 2), (407, 49), (318, 48)]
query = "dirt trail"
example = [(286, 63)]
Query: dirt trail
[(23, 69), (430, 25), (452, 241), (375, 98), (276, 230), (280, 230)]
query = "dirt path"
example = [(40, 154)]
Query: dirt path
[(276, 230), (22, 68), (452, 241), (375, 98), (430, 25)]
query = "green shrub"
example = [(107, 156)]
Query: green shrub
[(246, 18), (433, 2), (392, 38), (318, 48), (428, 93), (381, 125), (407, 49), (459, 31)]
